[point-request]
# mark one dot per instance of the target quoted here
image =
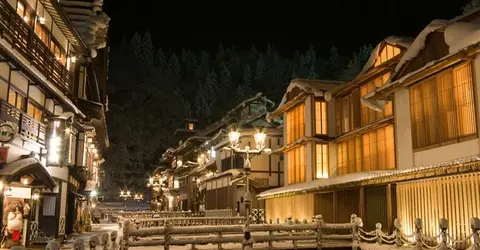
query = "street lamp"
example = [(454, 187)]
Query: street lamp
[(247, 154), (125, 194), (138, 197)]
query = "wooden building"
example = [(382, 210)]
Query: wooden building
[(52, 116), (333, 139), (202, 171), (435, 90)]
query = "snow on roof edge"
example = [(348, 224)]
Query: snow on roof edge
[(419, 42)]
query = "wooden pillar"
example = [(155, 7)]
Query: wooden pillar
[(335, 207), (389, 207), (362, 207)]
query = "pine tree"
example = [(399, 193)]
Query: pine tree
[(356, 64), (312, 74), (174, 66), (247, 75), (160, 59), (240, 94), (136, 45), (260, 68), (220, 52), (147, 49)]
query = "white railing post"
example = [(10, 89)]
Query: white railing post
[(167, 237), (398, 232), (418, 233), (247, 243), (443, 224), (104, 239), (113, 239), (378, 233), (356, 224), (319, 220), (126, 234), (219, 246), (475, 224), (94, 242)]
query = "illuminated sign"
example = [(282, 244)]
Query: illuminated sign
[(56, 143)]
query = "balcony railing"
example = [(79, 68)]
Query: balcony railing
[(28, 127), (23, 39)]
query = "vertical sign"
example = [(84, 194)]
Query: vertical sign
[(3, 155), (56, 142)]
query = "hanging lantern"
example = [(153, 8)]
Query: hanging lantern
[(26, 180)]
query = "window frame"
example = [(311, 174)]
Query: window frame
[(438, 129)]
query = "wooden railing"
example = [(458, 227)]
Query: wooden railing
[(295, 235), (189, 221), (28, 127), (23, 39), (149, 214)]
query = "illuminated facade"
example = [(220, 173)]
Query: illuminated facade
[(52, 109), (403, 136), (202, 176)]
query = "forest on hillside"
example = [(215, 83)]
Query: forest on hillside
[(152, 90)]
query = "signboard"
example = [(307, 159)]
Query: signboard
[(3, 155), (7, 133), (56, 142)]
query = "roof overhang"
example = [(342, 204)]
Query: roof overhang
[(96, 112), (289, 105), (386, 91), (28, 165), (64, 24)]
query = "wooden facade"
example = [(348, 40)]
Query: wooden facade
[(455, 197)]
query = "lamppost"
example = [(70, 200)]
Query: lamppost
[(155, 184), (247, 153)]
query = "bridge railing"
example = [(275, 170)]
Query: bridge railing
[(150, 214), (189, 221), (301, 235), (296, 235)]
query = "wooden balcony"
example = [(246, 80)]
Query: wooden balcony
[(28, 127), (23, 39)]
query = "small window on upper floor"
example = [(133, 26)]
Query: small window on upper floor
[(320, 118), (388, 52), (190, 126)]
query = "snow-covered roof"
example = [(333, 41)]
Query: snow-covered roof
[(362, 176), (316, 87), (460, 35), (419, 42), (401, 41)]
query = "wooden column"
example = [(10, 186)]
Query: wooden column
[(335, 206), (389, 207), (361, 204)]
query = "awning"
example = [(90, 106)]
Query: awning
[(96, 111), (28, 165), (90, 186)]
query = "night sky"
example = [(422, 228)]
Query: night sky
[(290, 25)]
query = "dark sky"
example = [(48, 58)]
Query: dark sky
[(291, 25)]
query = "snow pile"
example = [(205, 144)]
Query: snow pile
[(419, 42), (317, 87), (374, 104), (401, 41), (460, 35)]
